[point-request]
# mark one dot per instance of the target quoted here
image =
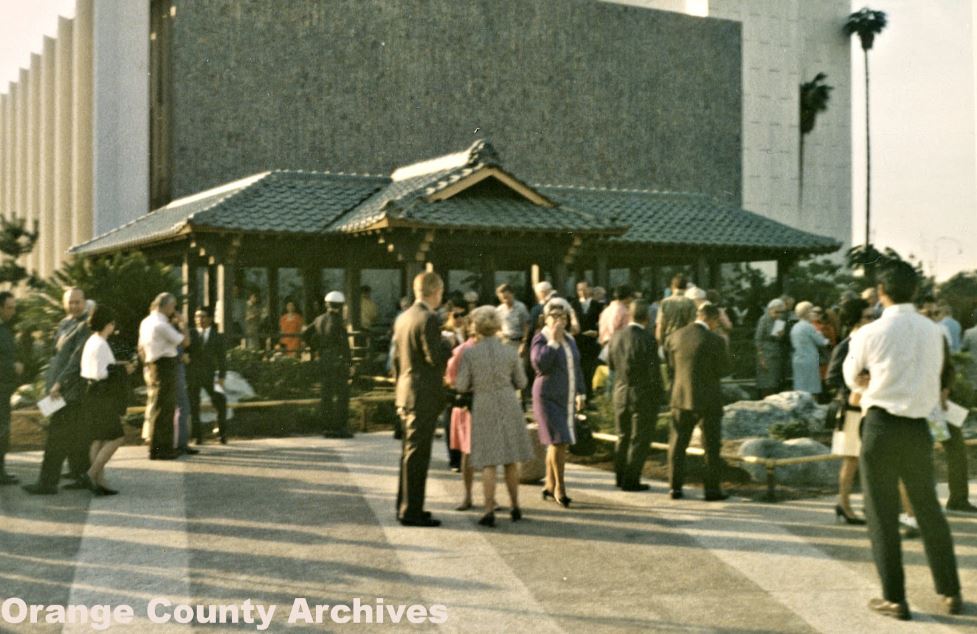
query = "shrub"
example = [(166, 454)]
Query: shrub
[(786, 431)]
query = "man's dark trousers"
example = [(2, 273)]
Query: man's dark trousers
[(634, 430), (5, 393), (896, 448), (683, 424), (956, 467), (65, 439), (219, 402), (334, 397), (162, 375), (418, 437)]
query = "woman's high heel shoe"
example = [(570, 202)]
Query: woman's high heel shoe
[(515, 514), (842, 516), (565, 502), (488, 520), (547, 494)]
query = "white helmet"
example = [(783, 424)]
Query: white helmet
[(335, 297)]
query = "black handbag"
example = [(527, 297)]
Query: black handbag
[(461, 400), (586, 444), (834, 417)]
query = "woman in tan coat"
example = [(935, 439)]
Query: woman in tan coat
[(493, 372)]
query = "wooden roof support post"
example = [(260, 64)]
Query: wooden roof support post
[(560, 278), (715, 274), (486, 288), (188, 275), (224, 309), (352, 284), (411, 270), (602, 274), (312, 281), (702, 272), (274, 301), (784, 265)]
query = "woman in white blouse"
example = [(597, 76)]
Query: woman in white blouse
[(105, 398)]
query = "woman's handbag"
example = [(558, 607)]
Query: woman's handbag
[(834, 417), (461, 400), (586, 444)]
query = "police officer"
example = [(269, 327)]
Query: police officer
[(327, 336)]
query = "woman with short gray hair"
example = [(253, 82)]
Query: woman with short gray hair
[(492, 372), (771, 330)]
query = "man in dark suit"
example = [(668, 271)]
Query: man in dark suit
[(67, 437), (588, 312), (698, 358), (328, 337), (206, 371), (10, 372), (420, 356), (638, 391)]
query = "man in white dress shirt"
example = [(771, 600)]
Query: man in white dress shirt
[(158, 341), (900, 365)]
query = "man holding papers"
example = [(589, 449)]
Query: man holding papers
[(67, 432)]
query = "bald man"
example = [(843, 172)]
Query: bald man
[(66, 433)]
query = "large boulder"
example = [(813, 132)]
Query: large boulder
[(748, 419), (823, 473), (532, 471)]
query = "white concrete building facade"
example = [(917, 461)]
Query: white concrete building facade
[(74, 130)]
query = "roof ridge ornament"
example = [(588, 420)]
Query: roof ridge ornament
[(479, 154)]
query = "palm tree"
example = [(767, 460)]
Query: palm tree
[(866, 24), (814, 99)]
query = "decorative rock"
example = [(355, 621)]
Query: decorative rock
[(806, 474), (747, 419), (532, 471)]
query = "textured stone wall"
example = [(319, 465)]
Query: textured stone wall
[(570, 91)]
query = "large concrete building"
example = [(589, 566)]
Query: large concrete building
[(74, 130), (572, 92), (786, 43)]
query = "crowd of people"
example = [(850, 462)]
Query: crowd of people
[(883, 362), (485, 356), (87, 386)]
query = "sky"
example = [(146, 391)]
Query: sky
[(924, 122), (923, 90)]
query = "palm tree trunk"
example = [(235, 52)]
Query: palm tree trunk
[(868, 161)]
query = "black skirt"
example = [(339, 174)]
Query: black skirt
[(102, 412)]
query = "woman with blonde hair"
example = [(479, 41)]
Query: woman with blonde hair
[(493, 372), (805, 341)]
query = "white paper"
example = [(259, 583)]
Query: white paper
[(218, 388), (49, 405), (955, 414), (778, 327)]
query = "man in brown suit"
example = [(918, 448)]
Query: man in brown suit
[(420, 356), (698, 358)]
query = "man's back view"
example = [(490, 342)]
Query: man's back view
[(899, 365)]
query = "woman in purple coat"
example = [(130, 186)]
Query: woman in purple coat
[(558, 392)]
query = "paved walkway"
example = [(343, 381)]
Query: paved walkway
[(277, 520)]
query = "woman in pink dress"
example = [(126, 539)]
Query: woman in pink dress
[(461, 423)]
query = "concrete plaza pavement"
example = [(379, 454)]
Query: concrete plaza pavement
[(275, 520)]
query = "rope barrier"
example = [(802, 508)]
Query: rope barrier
[(770, 464)]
